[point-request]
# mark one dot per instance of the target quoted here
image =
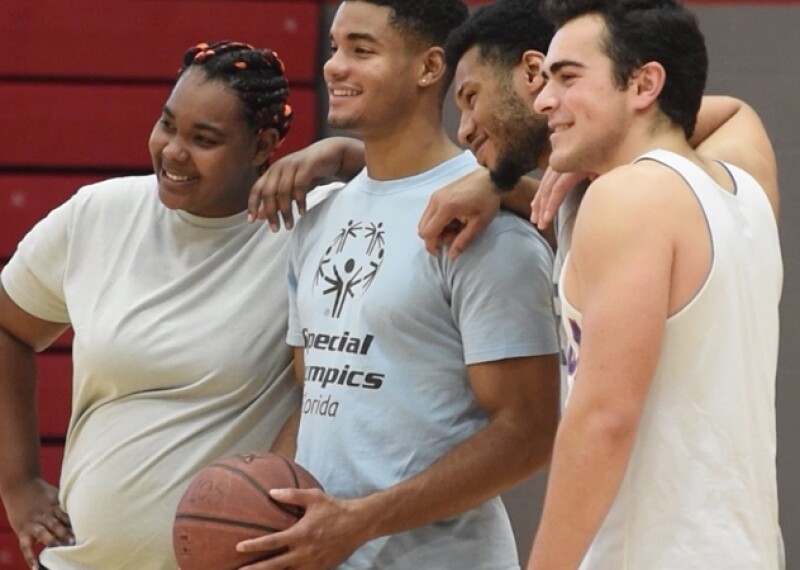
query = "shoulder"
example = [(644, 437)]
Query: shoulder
[(633, 207), (322, 192), (322, 202), (634, 194), (515, 232), (118, 191), (506, 241), (628, 179), (122, 185), (89, 203)]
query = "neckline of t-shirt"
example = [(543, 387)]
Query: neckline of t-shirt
[(423, 179), (212, 223)]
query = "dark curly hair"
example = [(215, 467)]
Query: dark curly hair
[(429, 20), (256, 75), (503, 31)]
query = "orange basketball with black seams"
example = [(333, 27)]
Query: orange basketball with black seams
[(228, 502)]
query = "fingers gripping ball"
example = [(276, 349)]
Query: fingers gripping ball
[(228, 502)]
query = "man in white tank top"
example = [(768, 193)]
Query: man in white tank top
[(665, 455)]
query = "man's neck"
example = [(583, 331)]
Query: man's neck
[(643, 141), (410, 151)]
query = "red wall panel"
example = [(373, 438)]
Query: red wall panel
[(101, 126), (69, 125), (64, 341), (54, 393), (10, 555), (112, 39)]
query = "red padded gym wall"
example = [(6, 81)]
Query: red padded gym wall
[(81, 85)]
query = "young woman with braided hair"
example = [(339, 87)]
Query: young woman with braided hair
[(149, 271)]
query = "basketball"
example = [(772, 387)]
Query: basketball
[(227, 502)]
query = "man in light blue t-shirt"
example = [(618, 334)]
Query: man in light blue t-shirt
[(430, 385)]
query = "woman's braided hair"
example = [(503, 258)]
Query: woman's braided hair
[(256, 75)]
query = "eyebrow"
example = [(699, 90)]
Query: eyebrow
[(200, 126), (359, 37), (557, 66)]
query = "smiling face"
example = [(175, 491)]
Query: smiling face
[(204, 155), (497, 118), (371, 72), (588, 113)]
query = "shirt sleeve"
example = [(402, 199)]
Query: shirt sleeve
[(502, 294), (34, 277)]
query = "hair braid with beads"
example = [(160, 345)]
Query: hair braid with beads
[(256, 75)]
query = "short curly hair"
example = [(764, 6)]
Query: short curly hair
[(429, 20), (255, 75), (503, 31)]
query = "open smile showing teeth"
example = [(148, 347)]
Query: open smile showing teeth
[(344, 92), (175, 177)]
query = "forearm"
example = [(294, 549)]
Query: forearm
[(286, 442), (730, 130), (19, 444), (589, 461), (715, 111), (473, 472), (518, 200), (352, 158)]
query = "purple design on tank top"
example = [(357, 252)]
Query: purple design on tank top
[(572, 355)]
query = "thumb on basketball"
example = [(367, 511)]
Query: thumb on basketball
[(290, 496)]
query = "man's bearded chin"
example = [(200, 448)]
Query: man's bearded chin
[(529, 139), (507, 173)]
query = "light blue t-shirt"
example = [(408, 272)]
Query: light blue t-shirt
[(388, 332)]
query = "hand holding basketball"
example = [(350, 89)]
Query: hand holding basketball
[(228, 502), (329, 532)]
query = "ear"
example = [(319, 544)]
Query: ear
[(432, 67), (531, 65), (266, 143), (647, 83)]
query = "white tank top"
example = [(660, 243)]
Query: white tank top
[(700, 491)]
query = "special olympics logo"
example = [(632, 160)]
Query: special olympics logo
[(349, 265)]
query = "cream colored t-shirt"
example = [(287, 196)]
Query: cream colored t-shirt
[(179, 357)]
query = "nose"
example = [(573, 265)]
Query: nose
[(174, 150), (466, 129), (334, 67), (545, 101)]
